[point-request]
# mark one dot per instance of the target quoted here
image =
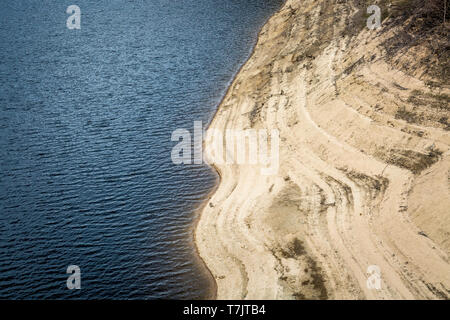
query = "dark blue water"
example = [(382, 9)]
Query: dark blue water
[(86, 118)]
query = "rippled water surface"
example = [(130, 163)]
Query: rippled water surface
[(86, 118)]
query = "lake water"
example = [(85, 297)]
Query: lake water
[(86, 118)]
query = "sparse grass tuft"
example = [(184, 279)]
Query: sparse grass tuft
[(295, 249), (412, 160), (408, 116)]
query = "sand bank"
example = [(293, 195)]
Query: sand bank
[(359, 183)]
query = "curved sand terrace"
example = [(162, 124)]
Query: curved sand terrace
[(357, 185)]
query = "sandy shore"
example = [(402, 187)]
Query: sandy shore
[(359, 184)]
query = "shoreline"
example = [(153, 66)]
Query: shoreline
[(213, 167), (197, 213)]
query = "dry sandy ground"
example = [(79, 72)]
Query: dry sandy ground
[(364, 176)]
